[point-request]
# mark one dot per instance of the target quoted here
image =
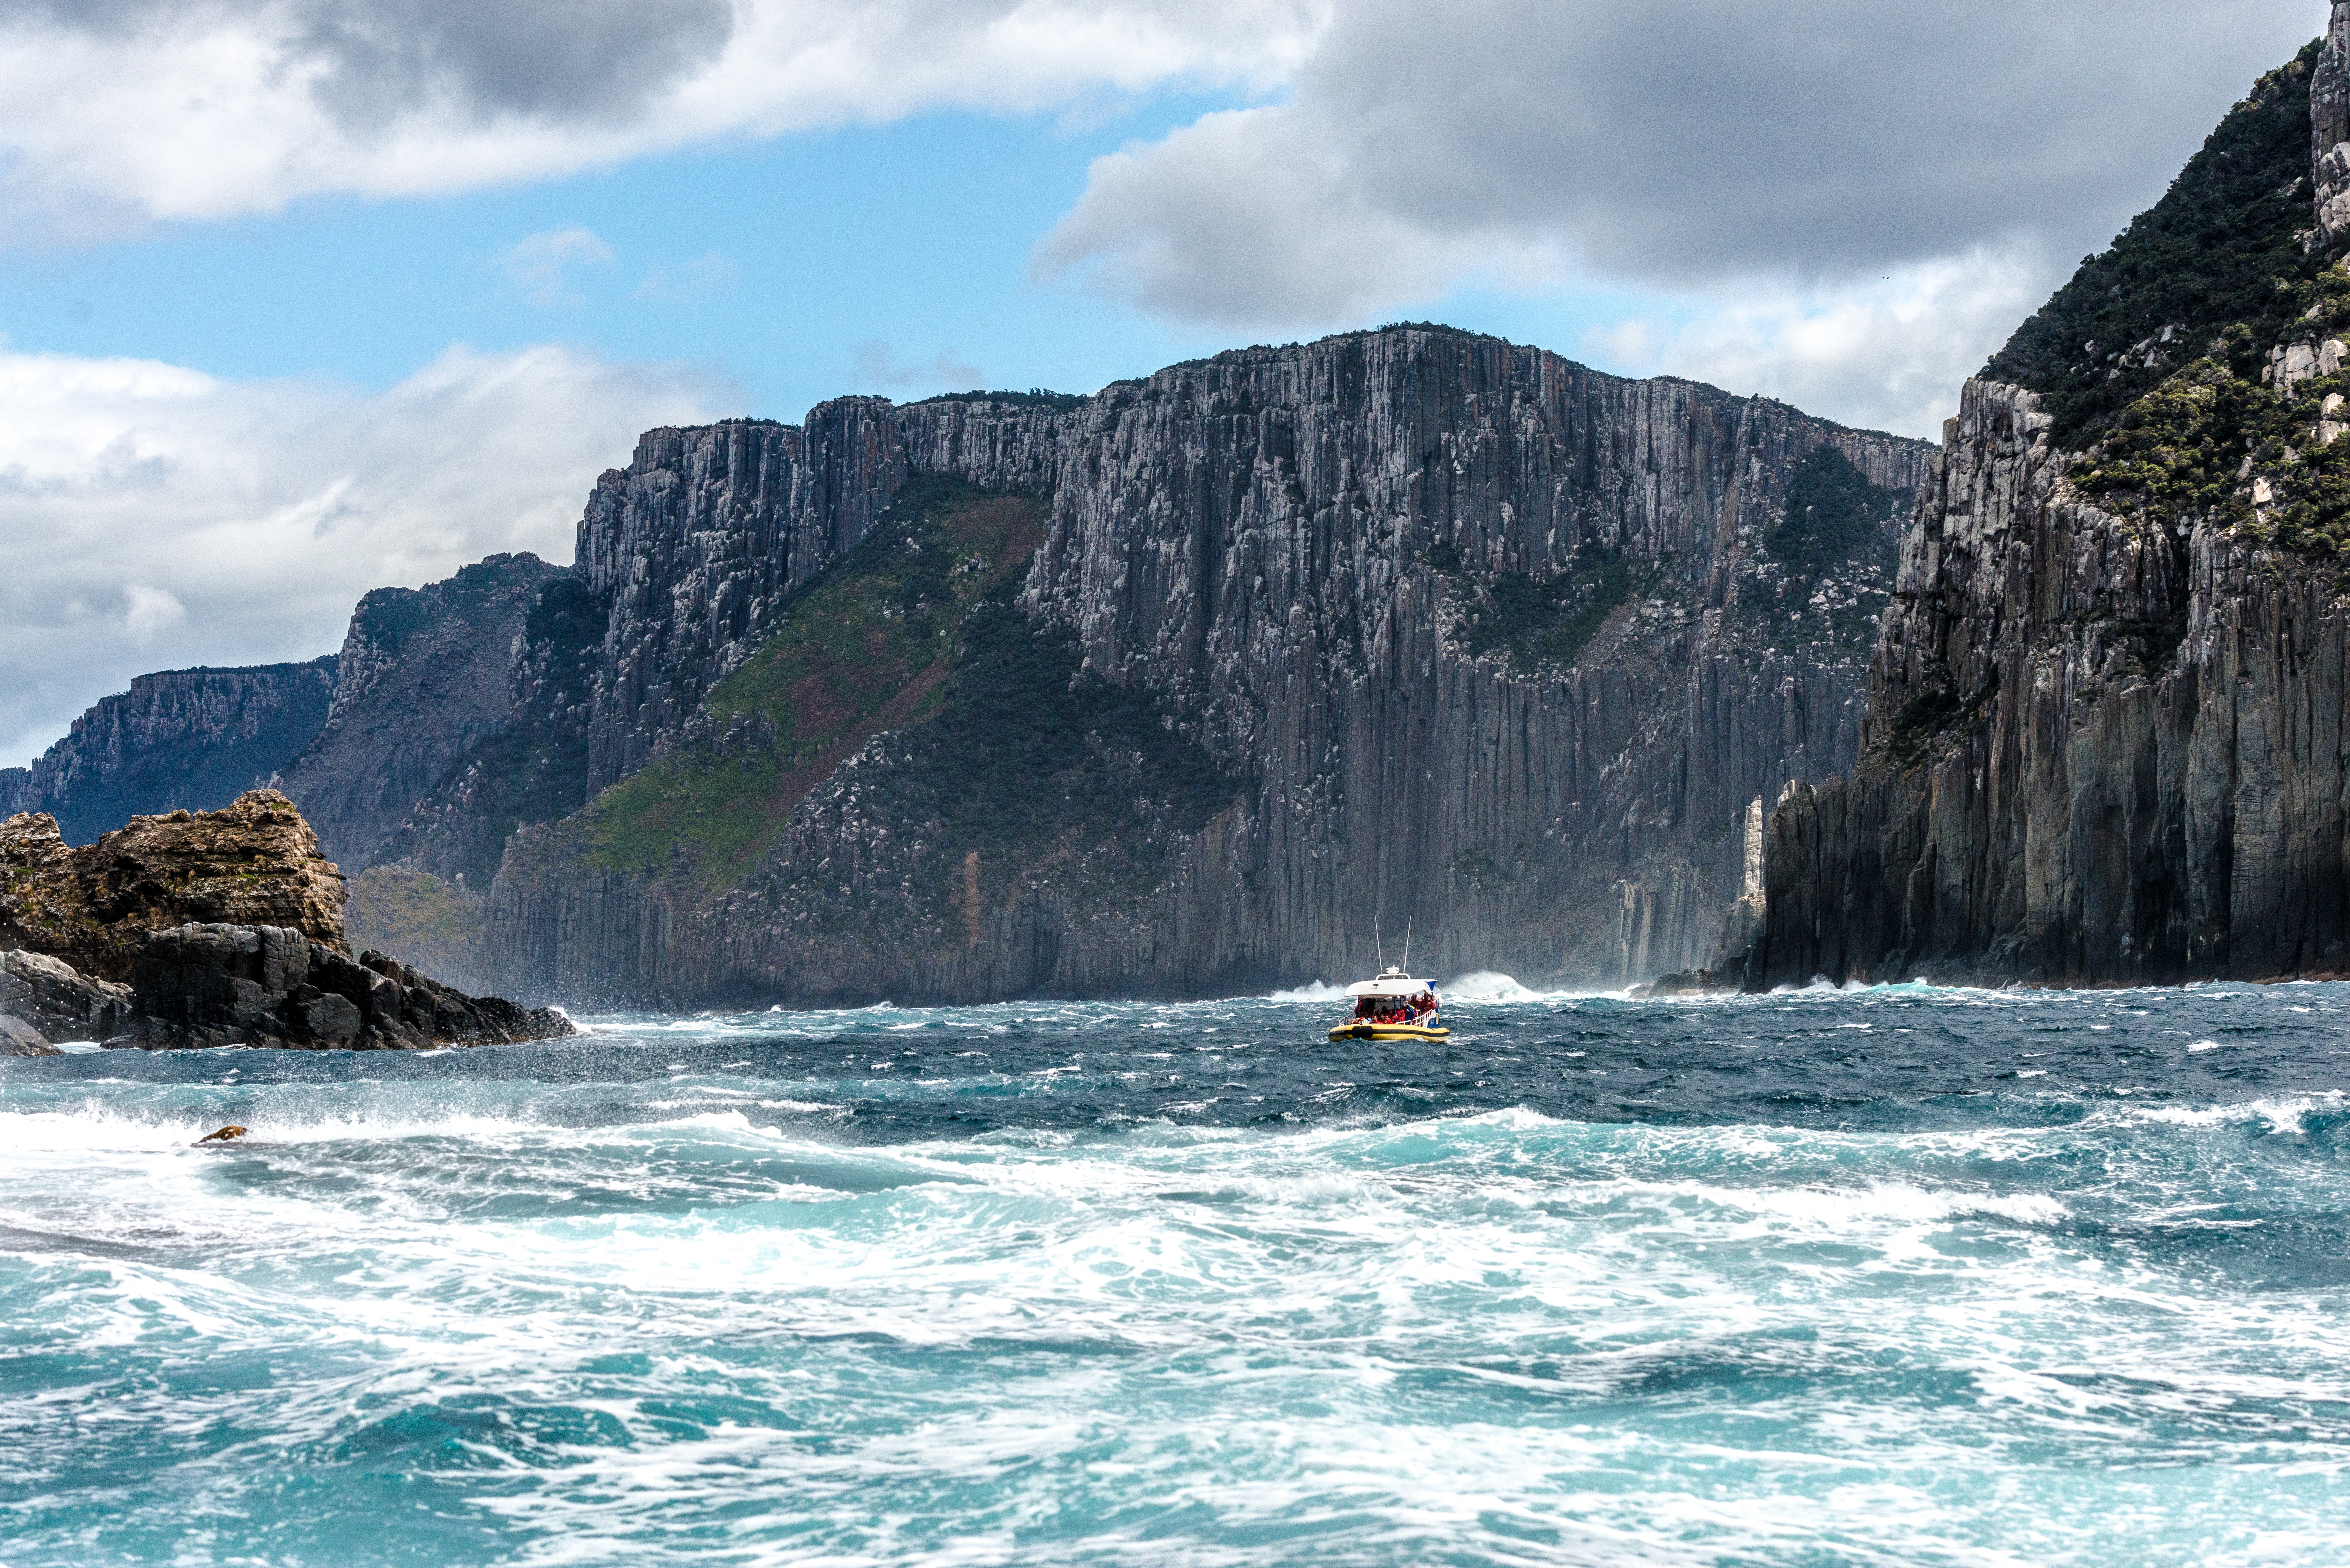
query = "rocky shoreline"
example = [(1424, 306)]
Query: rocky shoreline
[(202, 928)]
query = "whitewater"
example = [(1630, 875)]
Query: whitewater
[(1899, 1275)]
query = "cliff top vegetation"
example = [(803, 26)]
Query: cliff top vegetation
[(2195, 365), (1033, 398), (2222, 247)]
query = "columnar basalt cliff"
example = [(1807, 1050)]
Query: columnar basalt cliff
[(183, 740), (2105, 739), (1201, 683)]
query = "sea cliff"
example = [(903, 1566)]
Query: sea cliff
[(1404, 632), (2105, 740)]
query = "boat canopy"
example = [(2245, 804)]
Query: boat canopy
[(1393, 983)]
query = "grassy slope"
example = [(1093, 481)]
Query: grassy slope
[(1033, 768), (865, 650)]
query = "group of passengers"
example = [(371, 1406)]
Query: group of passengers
[(1419, 1009)]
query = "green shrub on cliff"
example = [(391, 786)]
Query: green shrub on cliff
[(2221, 247), (1536, 621), (1835, 518), (2151, 361), (2214, 442)]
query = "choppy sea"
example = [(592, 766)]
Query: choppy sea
[(1901, 1276)]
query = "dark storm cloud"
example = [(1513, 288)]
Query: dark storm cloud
[(573, 59), (1704, 134), (566, 59), (1676, 140)]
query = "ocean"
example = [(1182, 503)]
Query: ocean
[(1895, 1275)]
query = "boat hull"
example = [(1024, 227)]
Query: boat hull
[(1389, 1031)]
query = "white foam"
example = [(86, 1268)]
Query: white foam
[(2279, 1114), (1491, 987), (1319, 990)]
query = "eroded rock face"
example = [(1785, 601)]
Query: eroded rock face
[(19, 1038), (423, 673), (2108, 730), (255, 862), (269, 986), (2046, 798)]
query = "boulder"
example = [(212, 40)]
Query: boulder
[(219, 984), (19, 1038), (1688, 982), (60, 1001)]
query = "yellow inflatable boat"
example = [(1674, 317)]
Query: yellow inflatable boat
[(1353, 1031), (1393, 1007)]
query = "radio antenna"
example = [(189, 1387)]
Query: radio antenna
[(1377, 940), (1406, 947)]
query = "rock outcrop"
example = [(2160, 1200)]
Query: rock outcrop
[(2106, 709), (227, 927), (255, 862), (273, 986), (19, 1038), (1435, 633), (188, 740), (54, 998)]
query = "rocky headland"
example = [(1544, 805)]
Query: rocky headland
[(1200, 683), (209, 927), (2106, 708)]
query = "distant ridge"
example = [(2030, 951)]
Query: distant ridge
[(180, 737)]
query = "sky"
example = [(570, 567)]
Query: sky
[(304, 297)]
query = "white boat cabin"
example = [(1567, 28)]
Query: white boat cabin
[(1396, 996)]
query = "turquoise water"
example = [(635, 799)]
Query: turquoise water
[(1894, 1276)]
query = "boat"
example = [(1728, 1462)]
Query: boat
[(1376, 1001)]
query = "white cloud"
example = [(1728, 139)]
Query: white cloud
[(878, 366), (149, 612), (237, 523), (536, 262), (115, 113), (1681, 140), (1239, 221), (1824, 159), (1889, 354), (688, 280)]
